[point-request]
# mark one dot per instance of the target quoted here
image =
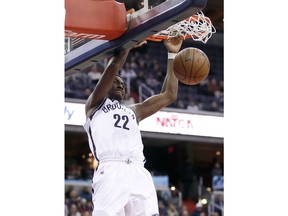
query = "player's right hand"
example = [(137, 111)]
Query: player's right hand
[(173, 45)]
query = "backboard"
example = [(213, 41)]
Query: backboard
[(139, 26)]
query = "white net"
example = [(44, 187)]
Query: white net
[(199, 28)]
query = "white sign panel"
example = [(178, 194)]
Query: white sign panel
[(183, 123), (161, 122), (74, 114)]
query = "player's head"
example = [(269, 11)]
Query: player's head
[(118, 89)]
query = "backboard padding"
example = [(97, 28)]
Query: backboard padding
[(156, 19)]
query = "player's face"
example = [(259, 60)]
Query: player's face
[(118, 89)]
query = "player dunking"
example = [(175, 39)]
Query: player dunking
[(121, 185)]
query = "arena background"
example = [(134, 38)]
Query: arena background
[(187, 161), (254, 138)]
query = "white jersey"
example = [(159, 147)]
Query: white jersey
[(113, 132), (121, 185)]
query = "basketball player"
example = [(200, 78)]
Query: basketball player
[(121, 186)]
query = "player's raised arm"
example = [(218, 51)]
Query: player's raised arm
[(169, 90), (173, 46), (105, 82)]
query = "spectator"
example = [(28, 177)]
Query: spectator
[(73, 198), (83, 206), (94, 74), (162, 198), (216, 170), (74, 171), (192, 106), (86, 193), (214, 107), (128, 100), (152, 82), (86, 93), (218, 205), (162, 208), (172, 210), (157, 70), (73, 210), (141, 76), (184, 211), (90, 206), (203, 88), (198, 209), (129, 75), (142, 65), (213, 85), (219, 92), (68, 190), (76, 84), (66, 209), (174, 198), (86, 213), (180, 104)]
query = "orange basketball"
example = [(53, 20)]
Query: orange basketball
[(191, 66)]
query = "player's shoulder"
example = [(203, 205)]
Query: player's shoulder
[(92, 110), (135, 109)]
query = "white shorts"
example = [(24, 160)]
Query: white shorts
[(123, 189)]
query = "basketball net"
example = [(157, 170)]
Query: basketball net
[(198, 27)]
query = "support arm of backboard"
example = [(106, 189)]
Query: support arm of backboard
[(154, 20)]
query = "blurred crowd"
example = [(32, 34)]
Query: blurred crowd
[(145, 68), (79, 203)]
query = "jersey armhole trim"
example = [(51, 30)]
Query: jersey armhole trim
[(100, 105), (133, 109)]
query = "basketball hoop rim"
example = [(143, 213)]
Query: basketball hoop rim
[(196, 17)]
